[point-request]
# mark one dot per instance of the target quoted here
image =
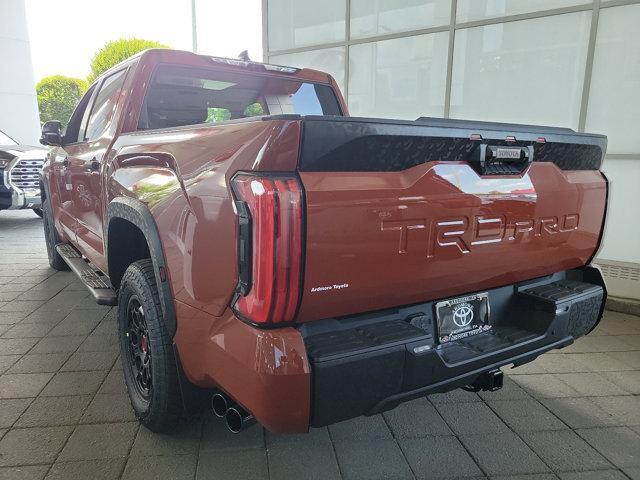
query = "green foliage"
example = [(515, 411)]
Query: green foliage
[(116, 51), (58, 96), (215, 114), (253, 110)]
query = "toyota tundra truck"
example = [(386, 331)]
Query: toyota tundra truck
[(19, 175), (301, 267)]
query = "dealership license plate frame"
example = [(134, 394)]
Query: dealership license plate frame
[(453, 314)]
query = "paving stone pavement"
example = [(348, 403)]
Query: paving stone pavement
[(64, 413)]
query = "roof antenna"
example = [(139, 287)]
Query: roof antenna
[(244, 55)]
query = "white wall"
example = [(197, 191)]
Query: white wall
[(621, 240), (18, 105), (614, 101)]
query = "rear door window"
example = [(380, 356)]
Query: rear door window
[(74, 132), (105, 105), (180, 95)]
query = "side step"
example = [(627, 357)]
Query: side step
[(95, 281)]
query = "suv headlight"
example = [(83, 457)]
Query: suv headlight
[(4, 163)]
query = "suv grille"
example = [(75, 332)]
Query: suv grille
[(25, 175)]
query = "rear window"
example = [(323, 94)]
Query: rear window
[(180, 96)]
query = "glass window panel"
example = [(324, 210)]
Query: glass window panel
[(185, 95), (469, 10), (381, 17), (329, 60), (105, 105), (530, 71), (614, 96), (620, 241), (298, 23), (400, 78)]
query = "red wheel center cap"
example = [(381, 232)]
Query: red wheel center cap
[(143, 344)]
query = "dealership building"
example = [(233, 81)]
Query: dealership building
[(566, 63)]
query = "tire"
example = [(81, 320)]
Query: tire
[(146, 351), (37, 211), (51, 238)]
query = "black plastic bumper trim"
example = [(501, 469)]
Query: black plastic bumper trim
[(467, 378), (352, 144), (368, 363)]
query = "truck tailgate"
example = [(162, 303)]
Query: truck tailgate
[(405, 212)]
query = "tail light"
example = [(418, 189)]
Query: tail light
[(270, 247)]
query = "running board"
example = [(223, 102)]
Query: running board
[(95, 281)]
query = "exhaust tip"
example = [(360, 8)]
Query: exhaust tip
[(234, 420), (219, 405), (238, 420)]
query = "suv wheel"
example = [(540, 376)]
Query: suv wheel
[(146, 350), (51, 238)]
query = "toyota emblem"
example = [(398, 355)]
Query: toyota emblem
[(462, 314)]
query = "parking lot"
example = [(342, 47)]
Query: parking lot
[(64, 412)]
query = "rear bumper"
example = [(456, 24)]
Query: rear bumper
[(331, 370), (365, 366)]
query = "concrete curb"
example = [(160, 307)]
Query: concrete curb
[(623, 305)]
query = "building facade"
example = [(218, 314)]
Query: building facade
[(18, 104), (567, 63)]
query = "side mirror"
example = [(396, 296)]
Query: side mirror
[(51, 133)]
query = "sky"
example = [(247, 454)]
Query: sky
[(65, 34)]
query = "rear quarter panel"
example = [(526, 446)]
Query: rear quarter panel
[(183, 175)]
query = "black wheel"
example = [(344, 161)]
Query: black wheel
[(37, 211), (51, 238), (146, 350)]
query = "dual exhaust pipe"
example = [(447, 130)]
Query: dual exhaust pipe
[(236, 417)]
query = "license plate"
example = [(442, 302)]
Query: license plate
[(462, 317)]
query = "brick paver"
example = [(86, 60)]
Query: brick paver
[(64, 414)]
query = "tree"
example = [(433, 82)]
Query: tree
[(215, 115), (58, 96), (116, 51)]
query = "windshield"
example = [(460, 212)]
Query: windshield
[(188, 96), (6, 139)]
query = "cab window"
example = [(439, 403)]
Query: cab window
[(179, 95)]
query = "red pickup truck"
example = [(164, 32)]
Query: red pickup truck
[(301, 266)]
